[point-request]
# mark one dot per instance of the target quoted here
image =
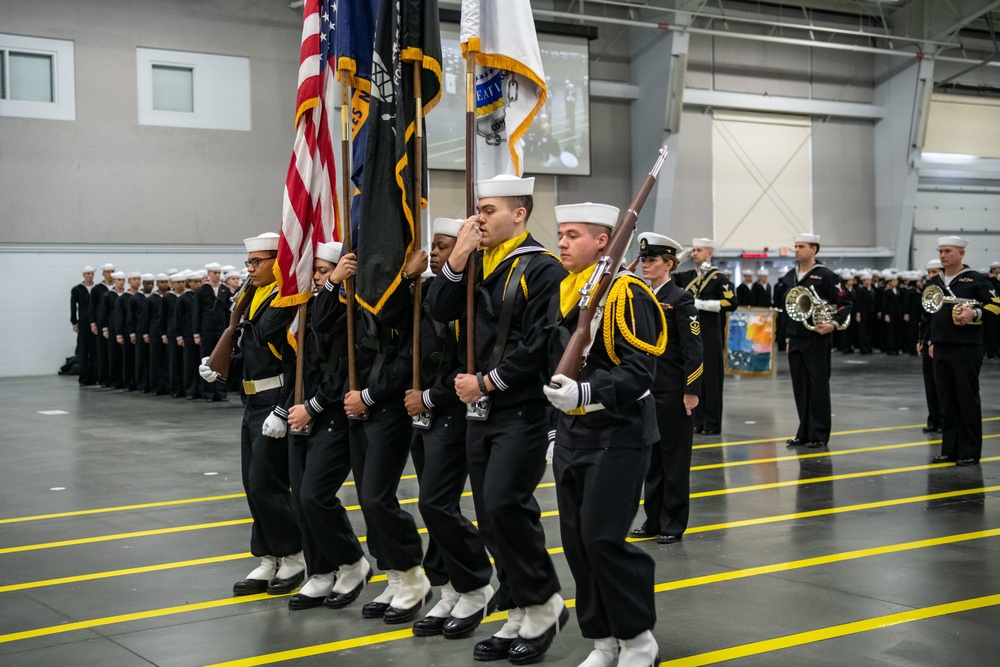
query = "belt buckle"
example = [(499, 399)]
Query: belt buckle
[(478, 410), (248, 388)]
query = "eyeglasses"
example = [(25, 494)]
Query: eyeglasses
[(256, 261)]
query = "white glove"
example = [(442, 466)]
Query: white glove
[(683, 257), (207, 373), (274, 426), (712, 305), (566, 396)]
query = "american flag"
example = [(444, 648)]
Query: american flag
[(310, 212)]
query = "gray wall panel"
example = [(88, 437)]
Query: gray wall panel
[(844, 182)]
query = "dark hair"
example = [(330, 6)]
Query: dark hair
[(521, 201)]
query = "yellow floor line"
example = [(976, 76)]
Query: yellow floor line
[(821, 634)]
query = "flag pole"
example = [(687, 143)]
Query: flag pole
[(345, 147), (418, 176), (470, 206)]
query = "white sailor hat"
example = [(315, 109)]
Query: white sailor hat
[(727, 271), (329, 251), (588, 212), (994, 265), (876, 273), (118, 274), (197, 275), (228, 267), (162, 276), (447, 226), (107, 267), (654, 245), (262, 243), (763, 272), (171, 271), (178, 276), (847, 274), (213, 266), (890, 275), (748, 272), (805, 238), (933, 264), (88, 269), (230, 274), (147, 277), (865, 275), (505, 185), (703, 243), (134, 274), (956, 241)]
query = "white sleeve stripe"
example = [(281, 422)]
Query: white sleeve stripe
[(328, 286), (426, 398), (448, 273), (366, 397), (315, 406), (497, 382)]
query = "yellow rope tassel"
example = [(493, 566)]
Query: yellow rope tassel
[(619, 296)]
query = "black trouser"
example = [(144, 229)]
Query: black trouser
[(379, 448), (598, 492), (455, 550), (128, 364), (141, 364), (930, 389), (175, 364), (86, 353), (192, 359), (864, 334), (668, 482), (275, 531), (809, 364), (158, 371), (506, 456), (318, 464), (114, 363), (708, 414), (101, 358), (215, 391), (991, 337), (956, 372)]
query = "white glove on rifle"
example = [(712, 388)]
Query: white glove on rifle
[(274, 426), (565, 395), (207, 373)]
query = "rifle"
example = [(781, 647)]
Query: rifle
[(222, 355), (593, 292)]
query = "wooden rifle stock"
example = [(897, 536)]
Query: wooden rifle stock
[(222, 355), (593, 292)]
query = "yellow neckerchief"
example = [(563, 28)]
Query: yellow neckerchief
[(259, 297), (569, 289), (493, 256)]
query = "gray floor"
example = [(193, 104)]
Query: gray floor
[(926, 591)]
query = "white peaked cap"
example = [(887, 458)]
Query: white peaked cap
[(956, 241), (505, 185), (178, 276), (748, 272), (805, 238), (148, 276), (264, 242), (118, 274), (652, 244), (703, 243), (934, 264), (107, 267), (162, 276), (763, 272), (329, 251), (447, 226), (213, 266), (588, 212), (134, 274), (228, 267), (87, 269)]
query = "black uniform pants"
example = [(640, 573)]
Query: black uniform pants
[(275, 531), (864, 334), (991, 337), (215, 391), (506, 455), (175, 363), (668, 482), (379, 448), (158, 371), (455, 550), (114, 363), (318, 464), (708, 414), (956, 372), (128, 364), (101, 358), (141, 348), (809, 364), (598, 492), (192, 359), (930, 389), (86, 354)]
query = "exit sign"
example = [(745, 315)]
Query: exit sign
[(754, 255)]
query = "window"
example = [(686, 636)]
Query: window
[(194, 90), (37, 78)]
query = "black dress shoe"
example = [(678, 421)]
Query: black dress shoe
[(815, 445), (928, 429), (525, 651), (643, 533), (668, 539), (942, 459), (711, 431), (459, 628), (341, 600), (429, 626), (249, 586), (967, 462), (494, 648), (795, 442), (698, 431), (394, 616), (282, 586), (374, 609), (300, 601)]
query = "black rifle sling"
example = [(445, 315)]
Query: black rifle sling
[(507, 312)]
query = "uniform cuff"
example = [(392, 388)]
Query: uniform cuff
[(450, 274), (497, 382), (329, 286), (425, 397), (281, 413), (313, 407), (367, 398), (584, 393)]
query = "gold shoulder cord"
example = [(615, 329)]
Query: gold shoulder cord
[(619, 296)]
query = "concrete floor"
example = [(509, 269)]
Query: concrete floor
[(123, 527)]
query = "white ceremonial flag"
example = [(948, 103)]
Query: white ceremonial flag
[(510, 83)]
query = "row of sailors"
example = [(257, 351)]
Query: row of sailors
[(144, 332)]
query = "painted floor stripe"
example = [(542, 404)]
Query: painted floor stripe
[(821, 634)]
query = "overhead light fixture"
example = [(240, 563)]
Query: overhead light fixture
[(948, 158)]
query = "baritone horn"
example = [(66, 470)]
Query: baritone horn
[(933, 299), (803, 304)]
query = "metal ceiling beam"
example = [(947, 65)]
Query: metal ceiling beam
[(938, 19)]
